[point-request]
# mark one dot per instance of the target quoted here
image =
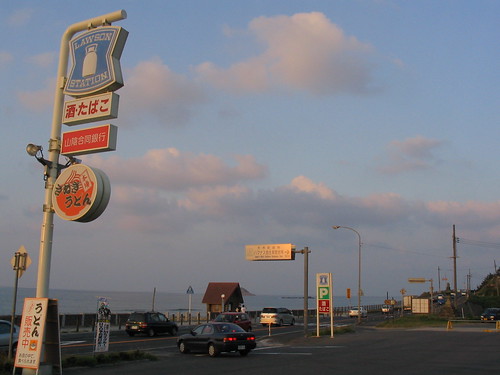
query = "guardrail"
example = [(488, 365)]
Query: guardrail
[(75, 322), (450, 323)]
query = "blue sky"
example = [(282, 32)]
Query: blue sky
[(248, 122)]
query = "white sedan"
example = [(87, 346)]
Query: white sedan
[(353, 312)]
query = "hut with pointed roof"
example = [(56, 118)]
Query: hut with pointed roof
[(215, 301)]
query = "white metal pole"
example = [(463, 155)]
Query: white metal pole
[(47, 230), (55, 146)]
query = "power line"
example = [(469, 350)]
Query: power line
[(403, 250), (466, 241)]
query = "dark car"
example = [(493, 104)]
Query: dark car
[(150, 323), (238, 318), (214, 338), (492, 313), (5, 336)]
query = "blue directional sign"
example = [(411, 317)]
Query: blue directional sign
[(96, 61)]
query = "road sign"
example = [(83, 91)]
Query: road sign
[(281, 251), (190, 290), (23, 261), (417, 280), (90, 140)]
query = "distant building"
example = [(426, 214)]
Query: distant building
[(216, 303)]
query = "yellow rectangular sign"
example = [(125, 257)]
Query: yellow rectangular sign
[(281, 251)]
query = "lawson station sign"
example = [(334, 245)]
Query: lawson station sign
[(96, 61), (82, 193)]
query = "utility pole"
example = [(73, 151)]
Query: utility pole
[(454, 262), (439, 278)]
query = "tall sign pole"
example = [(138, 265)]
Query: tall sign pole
[(52, 167)]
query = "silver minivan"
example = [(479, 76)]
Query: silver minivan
[(276, 316)]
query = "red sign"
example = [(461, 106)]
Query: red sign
[(324, 306), (88, 141)]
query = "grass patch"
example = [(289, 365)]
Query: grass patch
[(336, 331), (101, 359), (414, 321)]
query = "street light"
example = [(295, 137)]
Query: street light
[(359, 267), (222, 296)]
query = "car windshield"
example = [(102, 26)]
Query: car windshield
[(224, 318), (270, 310), (136, 317), (228, 328)]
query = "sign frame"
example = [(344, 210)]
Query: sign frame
[(324, 299), (264, 252)]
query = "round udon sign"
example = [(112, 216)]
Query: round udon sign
[(81, 193)]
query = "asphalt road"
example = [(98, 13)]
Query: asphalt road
[(368, 351)]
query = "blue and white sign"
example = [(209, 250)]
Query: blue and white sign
[(96, 61)]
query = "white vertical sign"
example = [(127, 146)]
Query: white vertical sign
[(324, 298), (103, 325), (31, 334)]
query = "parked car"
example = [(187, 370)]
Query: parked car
[(492, 313), (354, 313), (150, 323), (214, 338), (5, 336), (276, 316), (238, 318)]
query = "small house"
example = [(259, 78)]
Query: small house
[(222, 297)]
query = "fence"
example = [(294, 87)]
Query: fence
[(75, 322)]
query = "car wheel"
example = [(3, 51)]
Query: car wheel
[(293, 322), (212, 350), (280, 322), (131, 334), (244, 353), (151, 332), (182, 348), (173, 331)]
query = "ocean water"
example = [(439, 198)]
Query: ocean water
[(78, 301)]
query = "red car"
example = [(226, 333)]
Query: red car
[(239, 318)]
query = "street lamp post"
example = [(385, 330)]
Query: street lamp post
[(222, 296), (359, 267)]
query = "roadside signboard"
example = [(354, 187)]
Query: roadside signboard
[(81, 193), (31, 333), (102, 325), (90, 140), (283, 251), (324, 298), (91, 108), (96, 61)]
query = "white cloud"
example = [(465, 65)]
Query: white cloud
[(153, 89), (5, 58), (21, 17), (171, 170), (43, 60), (305, 51), (410, 154), (38, 101)]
